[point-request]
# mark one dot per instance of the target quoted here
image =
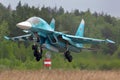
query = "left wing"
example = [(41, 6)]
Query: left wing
[(19, 38), (85, 40)]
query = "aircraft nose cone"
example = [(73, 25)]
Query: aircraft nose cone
[(24, 25)]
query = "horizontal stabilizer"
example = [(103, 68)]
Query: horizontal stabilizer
[(110, 41), (7, 38)]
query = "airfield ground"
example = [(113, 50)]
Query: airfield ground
[(59, 75)]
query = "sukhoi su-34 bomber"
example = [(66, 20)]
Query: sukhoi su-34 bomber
[(43, 35)]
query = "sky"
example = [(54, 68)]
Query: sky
[(111, 7)]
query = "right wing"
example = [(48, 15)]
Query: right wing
[(20, 38)]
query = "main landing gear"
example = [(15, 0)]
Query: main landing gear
[(68, 56), (37, 52)]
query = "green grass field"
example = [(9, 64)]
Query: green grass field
[(81, 61)]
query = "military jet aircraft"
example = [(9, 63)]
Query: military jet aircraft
[(44, 36)]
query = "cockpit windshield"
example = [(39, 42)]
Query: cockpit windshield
[(34, 20)]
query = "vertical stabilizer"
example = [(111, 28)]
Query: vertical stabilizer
[(52, 24), (80, 30)]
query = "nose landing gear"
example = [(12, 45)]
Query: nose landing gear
[(37, 52)]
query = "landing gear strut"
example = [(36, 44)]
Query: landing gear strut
[(68, 56), (37, 52)]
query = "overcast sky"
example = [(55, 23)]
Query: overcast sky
[(111, 7)]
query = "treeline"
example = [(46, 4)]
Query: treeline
[(97, 25)]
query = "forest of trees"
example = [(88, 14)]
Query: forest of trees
[(97, 25)]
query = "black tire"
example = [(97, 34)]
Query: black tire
[(66, 54), (40, 55), (69, 58), (35, 53), (34, 47), (37, 58)]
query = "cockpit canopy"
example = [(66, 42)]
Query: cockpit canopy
[(34, 20)]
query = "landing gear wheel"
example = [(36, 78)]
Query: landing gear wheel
[(34, 47), (37, 52), (68, 56), (38, 56)]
